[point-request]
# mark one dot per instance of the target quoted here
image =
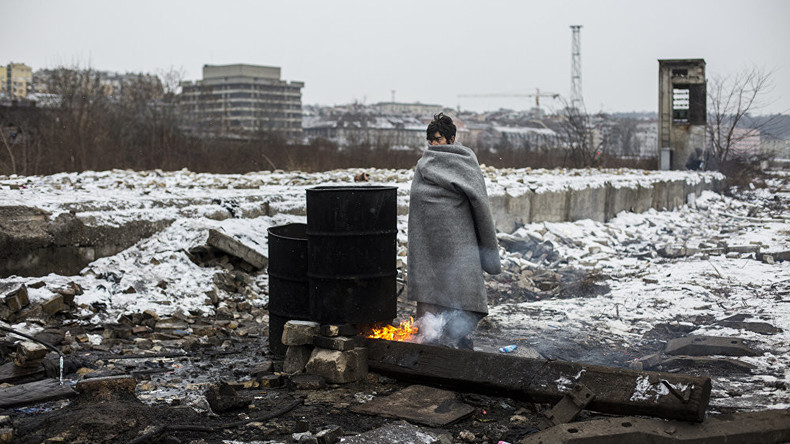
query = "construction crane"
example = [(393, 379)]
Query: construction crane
[(537, 95)]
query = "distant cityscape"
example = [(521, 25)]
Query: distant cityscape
[(242, 101)]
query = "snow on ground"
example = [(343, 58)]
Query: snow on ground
[(646, 290)]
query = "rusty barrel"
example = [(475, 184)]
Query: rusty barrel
[(289, 297), (352, 247)]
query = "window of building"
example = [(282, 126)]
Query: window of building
[(680, 72), (680, 105)]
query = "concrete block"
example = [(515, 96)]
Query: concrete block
[(17, 299), (308, 382), (587, 203), (709, 345), (549, 206), (296, 357), (299, 332), (503, 221), (519, 205), (644, 198), (660, 196), (263, 368), (53, 305), (339, 367), (676, 194), (619, 199), (341, 343), (233, 247), (29, 354), (107, 388)]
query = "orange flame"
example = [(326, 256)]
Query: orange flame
[(403, 332)]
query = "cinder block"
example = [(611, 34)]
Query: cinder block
[(296, 357), (709, 345), (339, 367), (299, 332), (341, 343)]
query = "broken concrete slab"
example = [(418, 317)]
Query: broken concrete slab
[(222, 397), (768, 426), (420, 404), (397, 433), (235, 248), (709, 345), (339, 367), (707, 364), (34, 392)]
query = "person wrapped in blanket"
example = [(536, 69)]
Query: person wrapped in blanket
[(452, 237)]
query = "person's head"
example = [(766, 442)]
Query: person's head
[(441, 131)]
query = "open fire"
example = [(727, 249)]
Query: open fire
[(404, 332)]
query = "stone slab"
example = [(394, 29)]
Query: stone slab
[(233, 247), (296, 357), (709, 345), (419, 404), (587, 203), (549, 206)]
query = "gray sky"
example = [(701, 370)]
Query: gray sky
[(427, 51)]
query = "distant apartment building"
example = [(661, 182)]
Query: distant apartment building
[(16, 80), (240, 100), (412, 109)]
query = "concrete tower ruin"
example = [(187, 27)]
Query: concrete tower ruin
[(682, 112)]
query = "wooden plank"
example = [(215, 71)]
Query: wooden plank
[(10, 372), (418, 404), (617, 390), (34, 392)]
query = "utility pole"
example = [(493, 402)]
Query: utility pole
[(576, 67)]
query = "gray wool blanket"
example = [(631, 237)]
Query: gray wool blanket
[(452, 237)]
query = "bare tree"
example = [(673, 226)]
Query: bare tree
[(730, 100), (584, 142)]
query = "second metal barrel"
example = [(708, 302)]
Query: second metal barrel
[(288, 292), (352, 247)]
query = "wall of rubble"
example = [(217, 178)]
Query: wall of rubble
[(600, 200)]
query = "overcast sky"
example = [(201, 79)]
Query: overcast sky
[(426, 51)]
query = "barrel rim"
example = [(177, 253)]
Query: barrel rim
[(272, 231), (321, 188)]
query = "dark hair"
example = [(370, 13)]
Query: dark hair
[(443, 125)]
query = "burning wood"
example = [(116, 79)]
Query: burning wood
[(406, 331)]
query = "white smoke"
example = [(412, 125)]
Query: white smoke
[(445, 328)]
